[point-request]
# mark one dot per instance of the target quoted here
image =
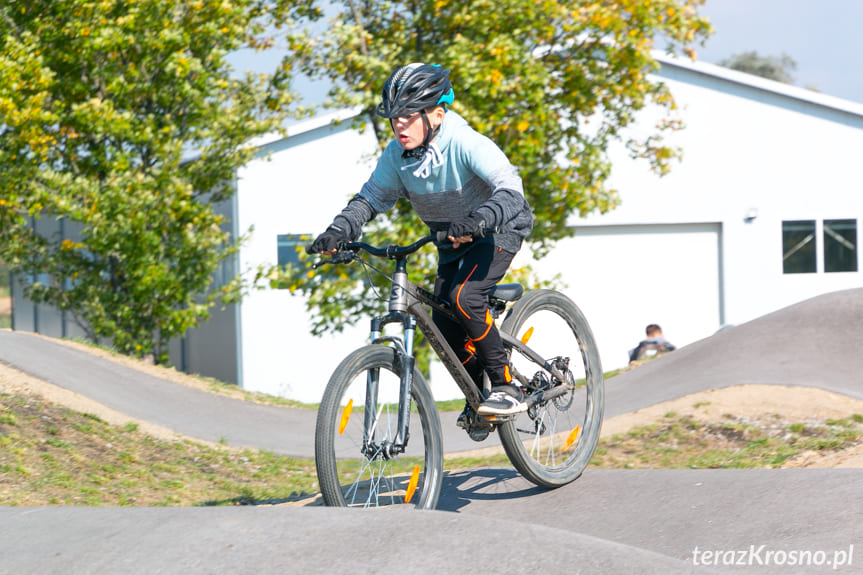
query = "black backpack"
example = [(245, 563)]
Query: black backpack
[(650, 349)]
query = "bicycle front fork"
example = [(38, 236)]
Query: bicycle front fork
[(405, 355)]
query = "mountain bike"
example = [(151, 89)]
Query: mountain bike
[(378, 438)]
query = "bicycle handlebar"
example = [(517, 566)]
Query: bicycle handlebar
[(393, 252)]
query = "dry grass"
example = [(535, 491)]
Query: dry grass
[(769, 441), (52, 455)]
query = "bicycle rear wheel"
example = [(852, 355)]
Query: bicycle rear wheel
[(552, 443), (357, 472)]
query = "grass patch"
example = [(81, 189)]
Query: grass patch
[(50, 455), (681, 442)]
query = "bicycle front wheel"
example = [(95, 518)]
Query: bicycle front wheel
[(356, 426), (552, 443)]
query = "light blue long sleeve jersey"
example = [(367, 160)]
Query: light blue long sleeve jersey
[(471, 175)]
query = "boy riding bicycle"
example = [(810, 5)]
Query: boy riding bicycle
[(457, 181)]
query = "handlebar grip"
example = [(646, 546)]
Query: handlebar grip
[(442, 236)]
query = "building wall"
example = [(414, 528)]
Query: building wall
[(297, 187), (755, 154)]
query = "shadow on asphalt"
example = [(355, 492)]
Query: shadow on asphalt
[(458, 490), (461, 488)]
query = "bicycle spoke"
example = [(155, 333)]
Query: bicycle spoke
[(552, 442), (357, 464)]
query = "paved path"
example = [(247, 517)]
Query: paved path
[(609, 521), (816, 343), (615, 522), (323, 540)]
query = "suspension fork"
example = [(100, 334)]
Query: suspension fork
[(404, 347)]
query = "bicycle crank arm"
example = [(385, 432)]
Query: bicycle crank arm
[(547, 395)]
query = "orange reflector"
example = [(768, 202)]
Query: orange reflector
[(571, 439), (412, 485), (527, 335), (346, 415)]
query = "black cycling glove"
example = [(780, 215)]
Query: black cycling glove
[(328, 241), (473, 225)]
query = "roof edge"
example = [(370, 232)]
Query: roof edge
[(309, 125), (758, 83)]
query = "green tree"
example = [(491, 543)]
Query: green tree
[(777, 68), (123, 120), (553, 83)]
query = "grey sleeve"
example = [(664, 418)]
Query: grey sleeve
[(502, 207), (356, 214), (507, 199)]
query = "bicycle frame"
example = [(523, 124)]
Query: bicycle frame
[(406, 301)]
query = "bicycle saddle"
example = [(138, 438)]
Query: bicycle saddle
[(507, 292)]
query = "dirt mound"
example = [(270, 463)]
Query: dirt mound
[(763, 406)]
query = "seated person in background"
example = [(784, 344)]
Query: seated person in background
[(652, 346)]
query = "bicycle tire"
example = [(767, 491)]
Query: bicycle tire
[(346, 476), (565, 430)]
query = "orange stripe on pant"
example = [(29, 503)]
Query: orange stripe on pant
[(489, 321), (458, 294)]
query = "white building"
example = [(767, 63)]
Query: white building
[(762, 212)]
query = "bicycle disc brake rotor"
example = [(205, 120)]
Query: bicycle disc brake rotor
[(564, 402)]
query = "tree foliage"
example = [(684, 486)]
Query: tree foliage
[(553, 83), (778, 68), (122, 120)]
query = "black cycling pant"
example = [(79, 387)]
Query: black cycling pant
[(465, 283)]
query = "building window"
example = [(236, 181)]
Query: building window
[(288, 246), (288, 253), (840, 245), (798, 247)]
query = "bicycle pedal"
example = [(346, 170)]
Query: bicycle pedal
[(495, 419)]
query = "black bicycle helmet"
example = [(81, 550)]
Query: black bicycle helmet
[(414, 88)]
